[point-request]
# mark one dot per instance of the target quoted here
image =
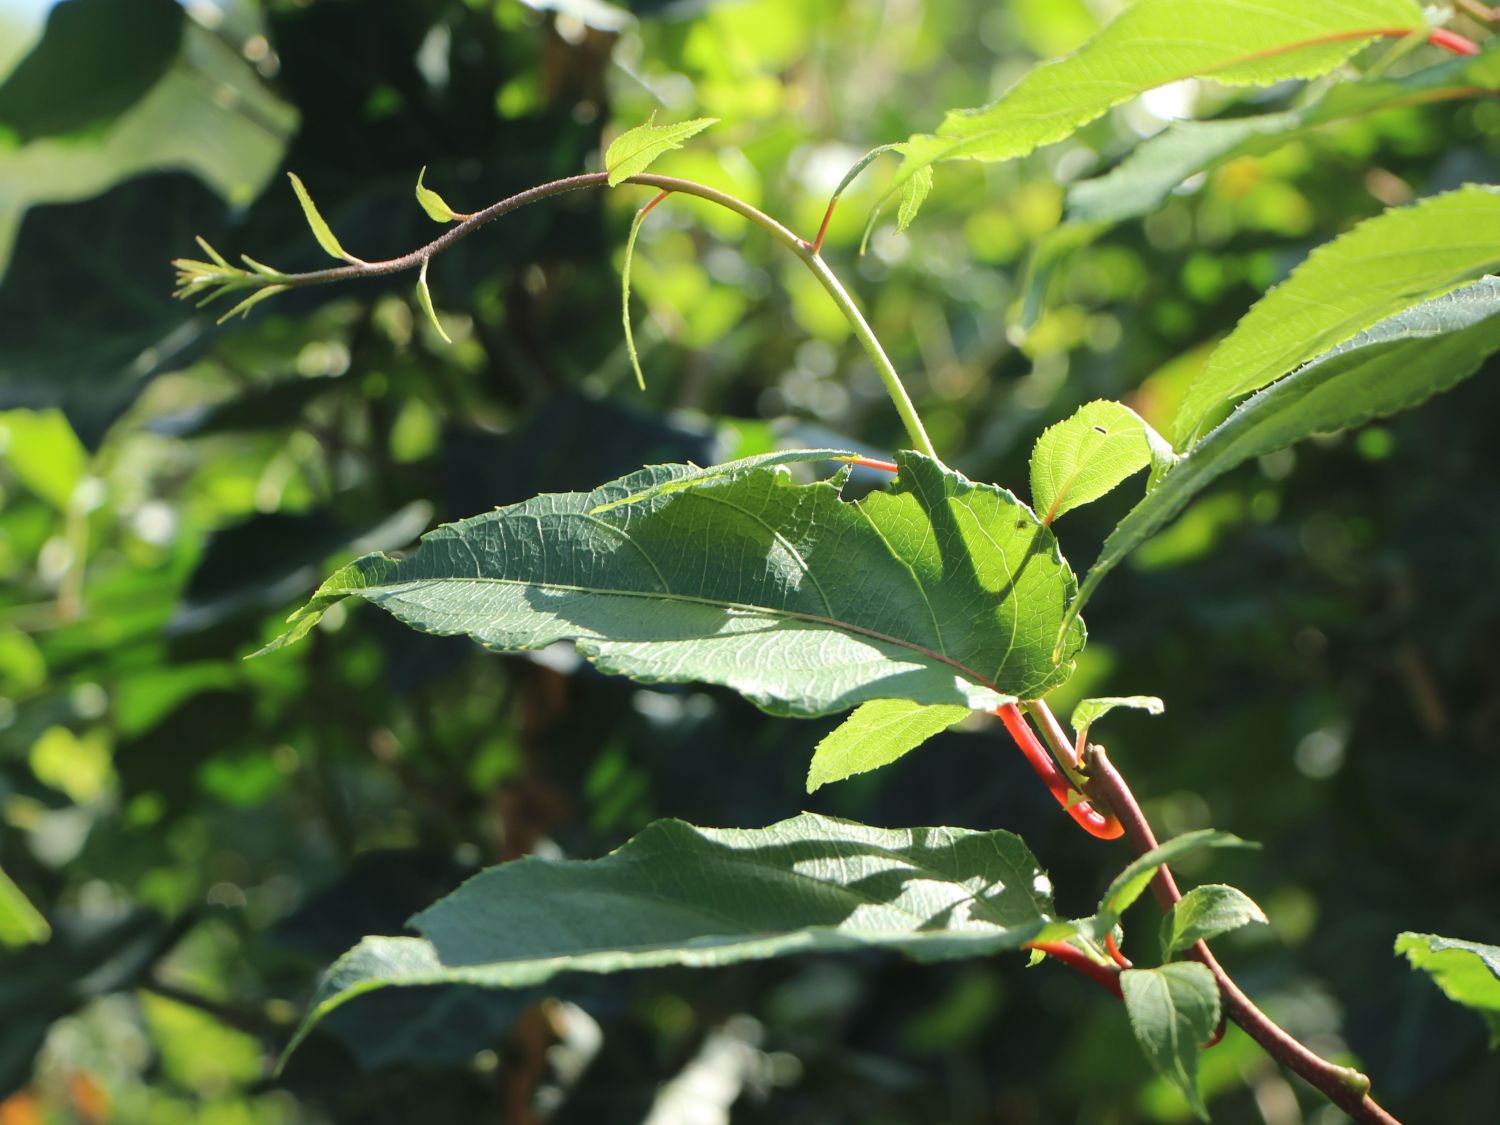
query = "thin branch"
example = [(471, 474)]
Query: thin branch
[(803, 250), (1346, 1088)]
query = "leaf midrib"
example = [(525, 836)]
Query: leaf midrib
[(764, 611)]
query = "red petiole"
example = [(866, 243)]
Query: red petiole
[(1106, 976)]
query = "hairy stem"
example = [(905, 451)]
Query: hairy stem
[(1346, 1088), (804, 251)]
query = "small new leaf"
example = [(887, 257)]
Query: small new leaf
[(436, 207), (913, 194), (1086, 455), (875, 735), (1466, 970), (1130, 883), (1206, 912), (424, 298), (1090, 711), (319, 225), (634, 150), (1173, 1011)]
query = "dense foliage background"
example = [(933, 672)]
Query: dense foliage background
[(204, 835)]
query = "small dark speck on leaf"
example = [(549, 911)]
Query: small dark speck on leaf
[(1102, 430)]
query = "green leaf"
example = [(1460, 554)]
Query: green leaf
[(876, 735), (1466, 971), (630, 348), (914, 193), (244, 307), (1173, 1010), (424, 298), (1090, 711), (694, 477), (940, 591), (436, 207), (20, 922), (1086, 455), (1152, 43), (320, 228), (704, 897), (1382, 266), (1206, 912), (1397, 364), (1143, 181), (1129, 884), (634, 150)]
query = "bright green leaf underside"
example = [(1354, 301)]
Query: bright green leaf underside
[(875, 735), (1383, 265), (1152, 43), (1090, 711), (633, 151), (1395, 365), (1466, 970), (700, 897), (1085, 456), (940, 591)]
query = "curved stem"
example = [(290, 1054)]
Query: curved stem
[(1105, 976), (826, 277), (1345, 1087)]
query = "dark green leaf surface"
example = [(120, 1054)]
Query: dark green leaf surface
[(1397, 364), (1206, 912), (1466, 970), (1382, 266), (1173, 1012), (699, 897), (940, 591)]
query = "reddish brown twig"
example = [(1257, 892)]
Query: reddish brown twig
[(1106, 976)]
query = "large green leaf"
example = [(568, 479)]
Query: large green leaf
[(1397, 364), (704, 897), (875, 735), (1380, 267), (1466, 970), (1142, 182), (1173, 1012), (1152, 43), (939, 591)]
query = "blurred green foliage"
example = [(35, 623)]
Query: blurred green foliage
[(203, 835)]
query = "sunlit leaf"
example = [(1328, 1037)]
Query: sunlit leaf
[(1152, 43), (703, 897), (1383, 265), (940, 591), (21, 923), (1204, 913), (634, 150), (1397, 364), (1132, 882), (434, 204), (1088, 454), (914, 193), (424, 298), (1090, 711), (1466, 971), (875, 735), (320, 228)]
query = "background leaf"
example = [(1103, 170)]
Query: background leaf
[(875, 735), (20, 922), (1204, 913), (1173, 1012), (1466, 970), (940, 591)]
